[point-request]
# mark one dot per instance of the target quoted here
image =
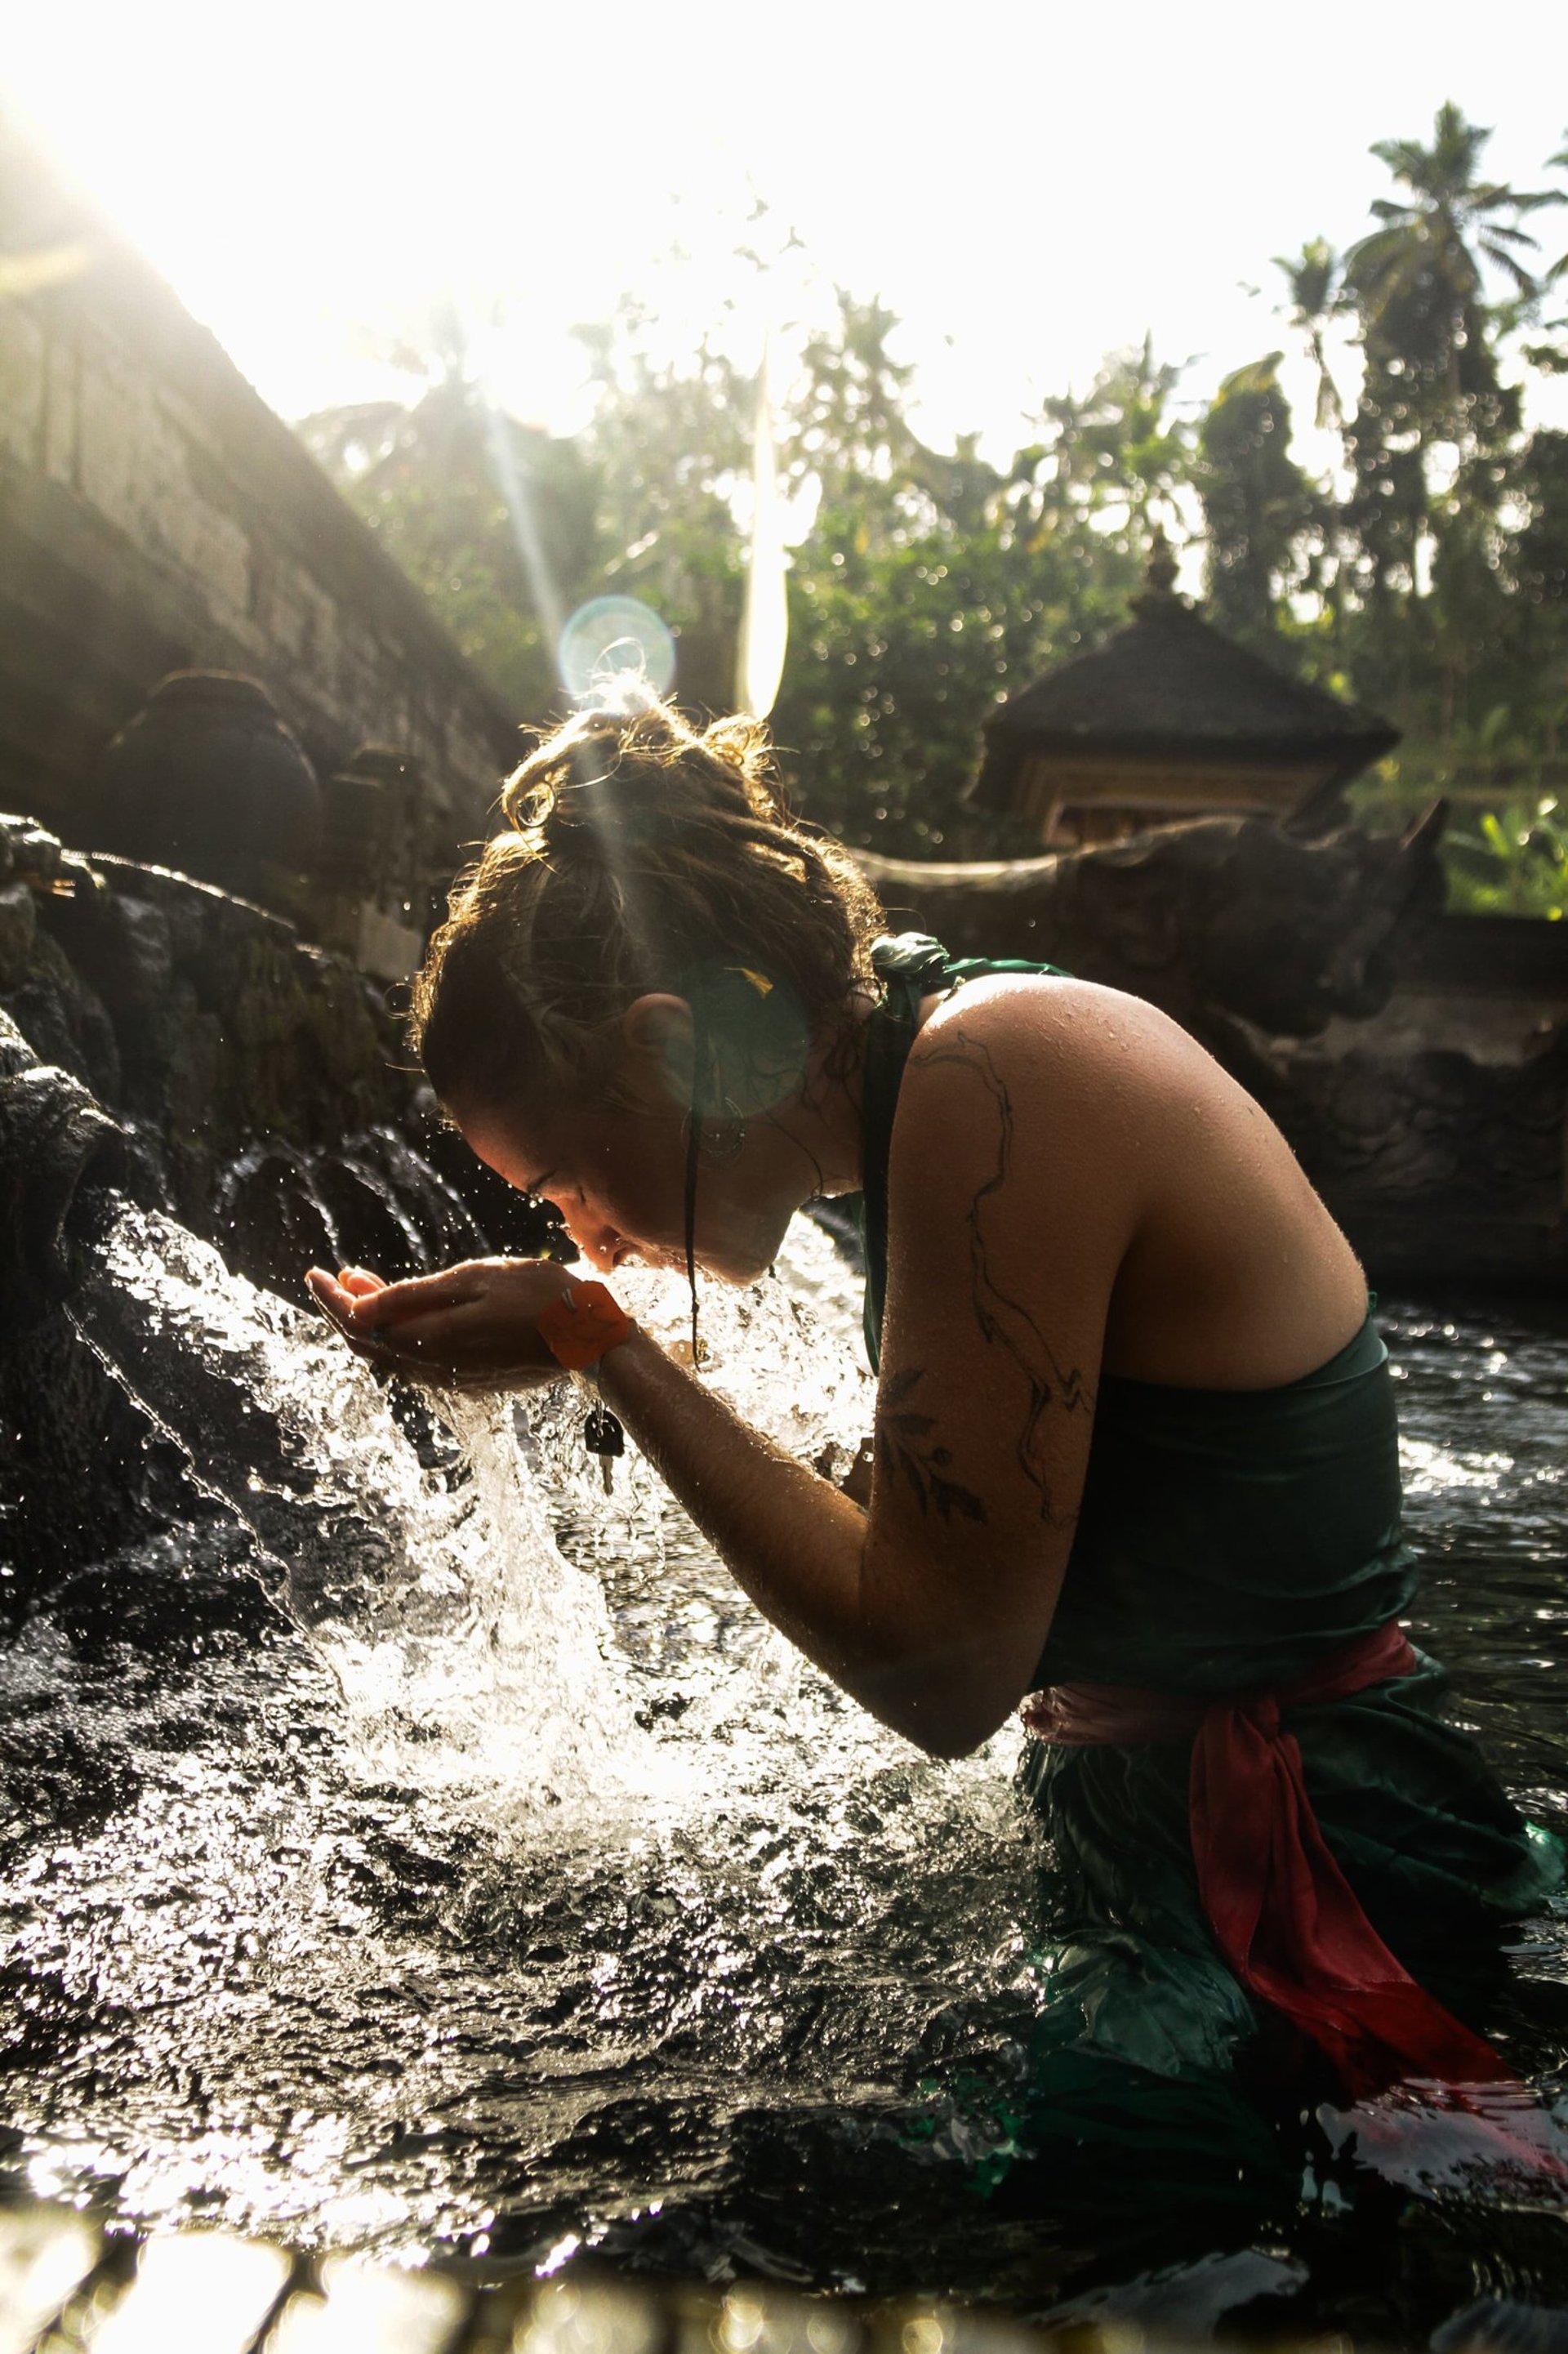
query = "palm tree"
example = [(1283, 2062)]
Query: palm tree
[(1552, 359), (1129, 449), (1313, 280), (1418, 281), (1558, 163), (1418, 287)]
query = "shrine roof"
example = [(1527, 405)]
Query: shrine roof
[(1171, 684)]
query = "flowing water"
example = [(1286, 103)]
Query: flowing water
[(407, 1845)]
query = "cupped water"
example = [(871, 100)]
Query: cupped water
[(407, 1844)]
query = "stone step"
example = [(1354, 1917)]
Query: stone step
[(68, 2287)]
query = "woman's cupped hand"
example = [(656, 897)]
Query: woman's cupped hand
[(472, 1327)]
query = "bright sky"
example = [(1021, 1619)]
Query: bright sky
[(1025, 184)]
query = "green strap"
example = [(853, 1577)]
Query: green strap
[(910, 966)]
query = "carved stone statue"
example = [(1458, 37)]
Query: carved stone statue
[(1220, 918)]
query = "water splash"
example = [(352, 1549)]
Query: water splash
[(465, 1602), (434, 1591), (776, 1351), (505, 1852)]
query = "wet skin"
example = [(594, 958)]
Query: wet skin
[(1075, 1187)]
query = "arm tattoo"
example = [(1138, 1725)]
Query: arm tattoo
[(904, 1444), (1004, 1319)]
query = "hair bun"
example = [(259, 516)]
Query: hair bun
[(623, 694), (614, 777)]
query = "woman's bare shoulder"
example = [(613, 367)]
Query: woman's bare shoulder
[(1103, 1046), (1036, 1091)]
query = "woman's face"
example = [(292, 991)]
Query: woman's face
[(618, 1180), (618, 1174)]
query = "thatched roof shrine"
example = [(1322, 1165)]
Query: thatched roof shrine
[(1168, 720)]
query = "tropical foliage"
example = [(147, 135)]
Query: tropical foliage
[(1418, 558)]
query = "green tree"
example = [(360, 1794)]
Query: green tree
[(930, 587), (1538, 561), (848, 422), (1417, 290), (1119, 452), (1430, 578), (1416, 280), (1434, 430), (1257, 503), (1552, 359), (898, 649), (667, 444)]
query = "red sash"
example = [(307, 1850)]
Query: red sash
[(1282, 1913)]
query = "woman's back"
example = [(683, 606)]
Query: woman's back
[(1234, 1276)]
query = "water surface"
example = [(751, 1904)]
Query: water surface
[(407, 1848)]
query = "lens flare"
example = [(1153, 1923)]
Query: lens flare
[(613, 645)]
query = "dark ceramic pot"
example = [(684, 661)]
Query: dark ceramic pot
[(206, 779)]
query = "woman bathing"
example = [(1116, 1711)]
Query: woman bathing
[(1134, 1461)]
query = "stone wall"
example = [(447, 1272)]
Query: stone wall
[(256, 1085), (155, 516), (1435, 1126)]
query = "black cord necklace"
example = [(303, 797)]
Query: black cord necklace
[(694, 1147)]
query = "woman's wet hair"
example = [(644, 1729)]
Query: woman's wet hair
[(642, 854)]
